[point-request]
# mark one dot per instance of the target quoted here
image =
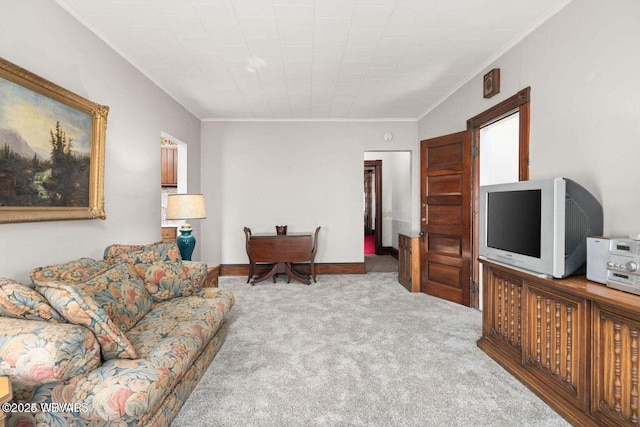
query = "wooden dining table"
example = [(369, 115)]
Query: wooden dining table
[(282, 251)]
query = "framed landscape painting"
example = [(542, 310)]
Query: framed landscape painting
[(51, 150)]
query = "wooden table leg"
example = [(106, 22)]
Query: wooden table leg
[(277, 268), (291, 272), (283, 268)]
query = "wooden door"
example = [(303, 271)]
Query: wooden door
[(445, 192)]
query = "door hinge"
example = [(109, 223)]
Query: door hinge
[(474, 151), (474, 287)]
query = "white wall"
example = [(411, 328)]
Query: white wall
[(43, 38), (300, 173), (585, 115), (402, 198)]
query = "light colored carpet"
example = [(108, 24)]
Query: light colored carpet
[(355, 350)]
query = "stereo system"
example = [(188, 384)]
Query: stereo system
[(623, 265), (614, 262)]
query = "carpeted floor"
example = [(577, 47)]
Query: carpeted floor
[(380, 264), (355, 350)]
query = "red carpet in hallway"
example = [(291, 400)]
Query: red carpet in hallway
[(369, 245)]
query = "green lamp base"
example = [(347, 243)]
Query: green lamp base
[(186, 243)]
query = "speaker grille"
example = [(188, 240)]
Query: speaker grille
[(577, 226)]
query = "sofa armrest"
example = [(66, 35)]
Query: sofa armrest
[(196, 272), (225, 299), (169, 279), (121, 391), (36, 352), (166, 280)]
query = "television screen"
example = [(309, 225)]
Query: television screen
[(514, 221)]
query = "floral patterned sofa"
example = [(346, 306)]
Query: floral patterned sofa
[(120, 341)]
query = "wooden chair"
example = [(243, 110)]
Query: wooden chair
[(252, 265), (313, 255)]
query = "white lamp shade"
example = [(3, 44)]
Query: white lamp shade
[(185, 206)]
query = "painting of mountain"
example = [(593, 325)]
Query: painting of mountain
[(45, 148), (51, 150), (12, 139), (28, 179)]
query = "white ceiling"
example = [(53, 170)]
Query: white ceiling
[(311, 59)]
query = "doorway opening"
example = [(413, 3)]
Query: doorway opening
[(500, 137), (499, 159), (373, 207), (386, 206), (173, 179)]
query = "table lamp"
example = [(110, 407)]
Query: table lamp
[(186, 206)]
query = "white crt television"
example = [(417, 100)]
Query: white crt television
[(538, 226)]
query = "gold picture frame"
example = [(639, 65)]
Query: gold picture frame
[(52, 146)]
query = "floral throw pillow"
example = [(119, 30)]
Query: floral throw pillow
[(80, 309), (39, 352), (159, 251), (165, 280), (120, 293), (161, 268), (23, 302), (72, 271)]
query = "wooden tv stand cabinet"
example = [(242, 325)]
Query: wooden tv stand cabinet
[(573, 342)]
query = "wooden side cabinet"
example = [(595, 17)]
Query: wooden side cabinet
[(169, 234), (615, 365), (502, 313), (556, 345), (409, 262), (169, 166), (213, 272), (573, 342), (5, 396)]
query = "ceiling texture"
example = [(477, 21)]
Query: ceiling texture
[(311, 59)]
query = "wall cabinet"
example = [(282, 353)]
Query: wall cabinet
[(409, 262), (169, 166), (573, 342)]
